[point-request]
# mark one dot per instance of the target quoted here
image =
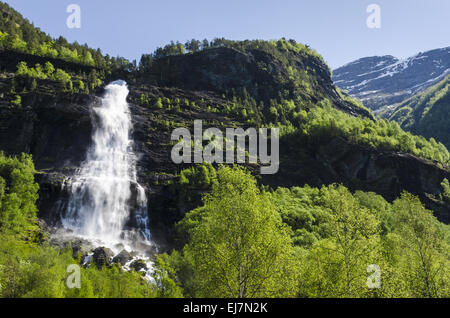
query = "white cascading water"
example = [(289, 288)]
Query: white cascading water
[(104, 193)]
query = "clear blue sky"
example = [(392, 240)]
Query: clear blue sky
[(336, 29)]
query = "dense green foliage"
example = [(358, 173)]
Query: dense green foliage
[(337, 240), (426, 113), (327, 122), (194, 182), (48, 72), (341, 234), (238, 245), (65, 79)]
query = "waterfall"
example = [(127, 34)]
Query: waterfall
[(104, 193)]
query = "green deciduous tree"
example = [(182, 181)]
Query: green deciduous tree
[(336, 266), (445, 190), (425, 253), (18, 193), (240, 247)]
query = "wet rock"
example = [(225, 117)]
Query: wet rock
[(134, 254), (122, 258), (119, 246), (102, 256), (139, 265)]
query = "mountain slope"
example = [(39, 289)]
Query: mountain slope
[(426, 113), (385, 80)]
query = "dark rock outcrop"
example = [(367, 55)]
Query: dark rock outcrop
[(10, 59)]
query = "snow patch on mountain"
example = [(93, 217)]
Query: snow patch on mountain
[(384, 80)]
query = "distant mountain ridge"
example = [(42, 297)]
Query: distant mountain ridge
[(385, 80)]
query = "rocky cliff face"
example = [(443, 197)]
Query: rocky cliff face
[(385, 80), (264, 75), (54, 127)]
